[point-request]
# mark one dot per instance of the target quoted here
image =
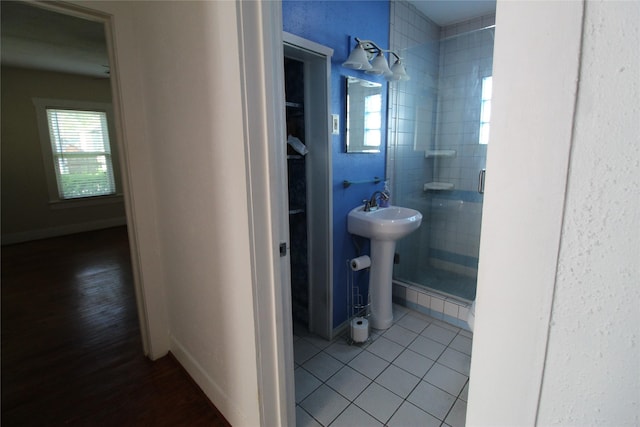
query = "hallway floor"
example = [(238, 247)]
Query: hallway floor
[(71, 347), (415, 373)]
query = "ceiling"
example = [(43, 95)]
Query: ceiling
[(447, 12), (33, 37)]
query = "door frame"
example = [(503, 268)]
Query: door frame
[(154, 342), (316, 60)]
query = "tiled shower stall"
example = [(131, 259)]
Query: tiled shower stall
[(435, 156)]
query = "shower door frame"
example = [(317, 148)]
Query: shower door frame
[(462, 152)]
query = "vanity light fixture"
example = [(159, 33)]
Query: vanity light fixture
[(379, 65), (398, 70), (358, 59), (367, 56)]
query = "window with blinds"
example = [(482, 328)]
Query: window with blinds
[(81, 153)]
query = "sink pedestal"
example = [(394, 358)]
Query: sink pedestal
[(383, 226), (380, 277)]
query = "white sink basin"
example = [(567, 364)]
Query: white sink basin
[(391, 223)]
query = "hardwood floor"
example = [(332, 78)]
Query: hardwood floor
[(71, 347)]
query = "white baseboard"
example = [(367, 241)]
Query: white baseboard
[(217, 396), (45, 233)]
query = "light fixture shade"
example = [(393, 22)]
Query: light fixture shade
[(399, 73), (379, 65), (358, 59), (392, 77)]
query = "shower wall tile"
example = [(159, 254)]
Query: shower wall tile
[(465, 59), (446, 65), (437, 304), (412, 296), (451, 310), (424, 300), (462, 270), (463, 27)]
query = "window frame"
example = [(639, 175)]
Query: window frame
[(55, 201)]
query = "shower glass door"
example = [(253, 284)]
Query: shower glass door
[(439, 127)]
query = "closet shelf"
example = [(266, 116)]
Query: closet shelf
[(440, 153), (438, 186)]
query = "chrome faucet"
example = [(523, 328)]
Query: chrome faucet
[(372, 203)]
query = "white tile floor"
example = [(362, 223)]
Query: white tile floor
[(415, 373)]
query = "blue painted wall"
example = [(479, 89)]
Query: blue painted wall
[(334, 24)]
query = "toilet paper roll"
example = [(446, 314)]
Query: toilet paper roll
[(360, 263), (359, 329)]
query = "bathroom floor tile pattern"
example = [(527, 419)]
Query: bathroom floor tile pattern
[(415, 373)]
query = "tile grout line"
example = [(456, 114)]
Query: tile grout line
[(457, 398), (390, 363)]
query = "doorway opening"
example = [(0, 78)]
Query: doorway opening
[(57, 53), (307, 72)]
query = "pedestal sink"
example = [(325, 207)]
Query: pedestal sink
[(384, 226)]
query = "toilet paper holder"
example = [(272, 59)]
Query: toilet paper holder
[(358, 303)]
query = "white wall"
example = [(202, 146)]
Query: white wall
[(592, 372), (557, 319), (183, 122), (194, 113)]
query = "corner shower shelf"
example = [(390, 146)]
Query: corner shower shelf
[(438, 186), (439, 153)]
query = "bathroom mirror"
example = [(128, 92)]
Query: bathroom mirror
[(364, 116)]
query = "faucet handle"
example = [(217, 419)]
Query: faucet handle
[(367, 206)]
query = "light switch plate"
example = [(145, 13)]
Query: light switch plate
[(335, 124)]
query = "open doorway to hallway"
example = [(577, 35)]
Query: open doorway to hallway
[(71, 349)]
